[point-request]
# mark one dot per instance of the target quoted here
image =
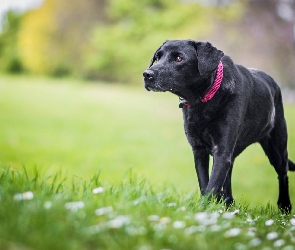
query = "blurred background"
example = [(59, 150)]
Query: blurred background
[(71, 94), (113, 40)]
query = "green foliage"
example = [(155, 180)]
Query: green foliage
[(41, 211), (9, 53), (112, 40), (121, 50), (52, 38)]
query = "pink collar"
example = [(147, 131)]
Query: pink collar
[(212, 91), (216, 84)]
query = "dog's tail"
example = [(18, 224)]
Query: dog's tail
[(291, 165)]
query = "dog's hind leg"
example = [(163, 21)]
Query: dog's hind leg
[(275, 147), (291, 165)]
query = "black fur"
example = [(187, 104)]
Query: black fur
[(246, 109)]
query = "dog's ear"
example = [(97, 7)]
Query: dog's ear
[(154, 57), (208, 57)]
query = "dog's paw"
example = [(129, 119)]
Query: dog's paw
[(229, 201), (285, 207)]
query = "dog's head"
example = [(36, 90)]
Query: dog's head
[(180, 66)]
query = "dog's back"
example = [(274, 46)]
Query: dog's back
[(262, 106)]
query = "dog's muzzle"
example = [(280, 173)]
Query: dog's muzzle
[(149, 75), (149, 80)]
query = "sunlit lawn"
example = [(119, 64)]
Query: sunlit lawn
[(82, 128)]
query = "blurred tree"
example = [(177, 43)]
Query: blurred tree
[(114, 40), (121, 50), (274, 33), (9, 54), (53, 37), (262, 37)]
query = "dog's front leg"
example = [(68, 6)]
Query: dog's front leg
[(222, 164), (227, 191), (201, 158)]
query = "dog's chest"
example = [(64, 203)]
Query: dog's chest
[(199, 130)]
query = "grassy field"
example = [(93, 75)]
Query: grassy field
[(82, 129), (108, 167), (40, 212)]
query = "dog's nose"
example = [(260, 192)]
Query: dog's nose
[(148, 74)]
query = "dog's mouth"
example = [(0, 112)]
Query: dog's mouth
[(153, 87), (156, 88)]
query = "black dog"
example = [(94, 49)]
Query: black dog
[(226, 107)]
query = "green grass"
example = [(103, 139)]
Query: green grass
[(61, 139), (130, 215), (82, 128)]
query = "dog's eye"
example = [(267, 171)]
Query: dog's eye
[(178, 59)]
